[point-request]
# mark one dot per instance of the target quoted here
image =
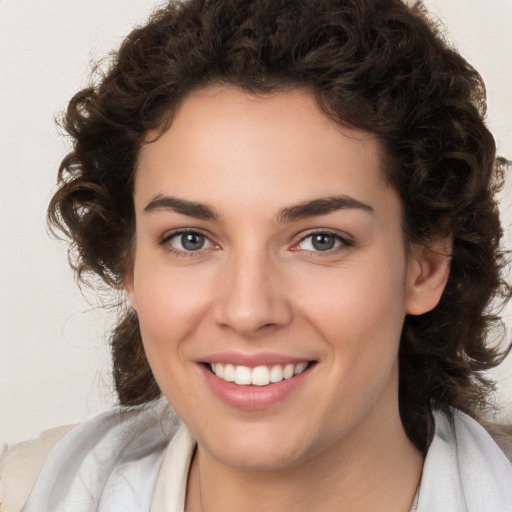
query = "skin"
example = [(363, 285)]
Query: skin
[(259, 285)]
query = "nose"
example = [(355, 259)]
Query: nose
[(252, 297)]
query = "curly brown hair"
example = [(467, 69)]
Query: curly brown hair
[(376, 65)]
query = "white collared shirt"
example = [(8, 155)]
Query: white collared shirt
[(138, 459)]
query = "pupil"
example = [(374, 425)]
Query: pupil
[(192, 241), (323, 242)]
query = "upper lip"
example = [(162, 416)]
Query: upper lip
[(253, 360)]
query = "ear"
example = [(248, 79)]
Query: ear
[(427, 274), (129, 288)]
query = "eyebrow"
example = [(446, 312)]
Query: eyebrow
[(321, 206), (183, 206), (313, 208)]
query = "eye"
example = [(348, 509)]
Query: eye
[(321, 242), (189, 241)]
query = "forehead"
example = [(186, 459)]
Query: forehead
[(226, 143)]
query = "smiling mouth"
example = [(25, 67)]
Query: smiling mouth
[(258, 376)]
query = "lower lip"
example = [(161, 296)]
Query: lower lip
[(253, 397)]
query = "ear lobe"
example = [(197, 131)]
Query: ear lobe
[(428, 271), (129, 288)]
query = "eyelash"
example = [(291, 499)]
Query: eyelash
[(343, 243), (166, 239)]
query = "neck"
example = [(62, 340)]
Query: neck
[(375, 468)]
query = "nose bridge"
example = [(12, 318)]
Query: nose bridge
[(251, 294)]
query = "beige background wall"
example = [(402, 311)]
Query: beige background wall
[(54, 366)]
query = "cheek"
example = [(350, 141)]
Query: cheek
[(169, 303), (360, 312), (169, 307), (358, 298)]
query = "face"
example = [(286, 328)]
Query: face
[(270, 277)]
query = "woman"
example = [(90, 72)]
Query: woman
[(298, 199)]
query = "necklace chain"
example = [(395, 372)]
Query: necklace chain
[(200, 487)]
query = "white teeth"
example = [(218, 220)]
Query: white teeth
[(243, 375), (299, 368), (228, 374), (276, 373), (258, 376), (288, 371), (219, 370)]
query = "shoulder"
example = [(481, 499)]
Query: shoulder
[(464, 469), (117, 451), (502, 435), (20, 465)]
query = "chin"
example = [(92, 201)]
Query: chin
[(257, 458), (264, 447)]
